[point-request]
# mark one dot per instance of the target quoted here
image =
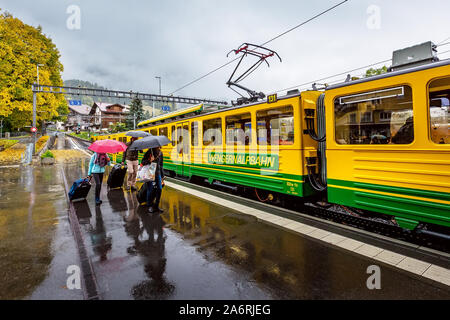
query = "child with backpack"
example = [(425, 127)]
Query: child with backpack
[(96, 169)]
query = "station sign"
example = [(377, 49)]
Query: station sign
[(165, 108), (75, 102)]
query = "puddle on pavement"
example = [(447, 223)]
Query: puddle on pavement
[(194, 250), (199, 250), (33, 230)]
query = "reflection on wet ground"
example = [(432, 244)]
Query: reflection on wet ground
[(199, 250), (194, 250), (36, 244)]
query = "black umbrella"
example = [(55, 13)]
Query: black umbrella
[(150, 142), (137, 134)]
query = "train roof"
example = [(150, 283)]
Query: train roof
[(408, 60), (197, 109)]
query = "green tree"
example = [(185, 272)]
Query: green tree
[(374, 72), (136, 110), (117, 127), (22, 47)]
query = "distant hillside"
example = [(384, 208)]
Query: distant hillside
[(88, 100)]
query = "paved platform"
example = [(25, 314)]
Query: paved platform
[(204, 247), (400, 261)]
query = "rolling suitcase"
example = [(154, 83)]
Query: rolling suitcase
[(80, 189), (116, 176)]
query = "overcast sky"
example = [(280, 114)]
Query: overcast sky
[(123, 45)]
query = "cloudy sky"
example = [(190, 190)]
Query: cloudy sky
[(123, 45)]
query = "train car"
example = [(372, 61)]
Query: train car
[(219, 144), (379, 144), (388, 144)]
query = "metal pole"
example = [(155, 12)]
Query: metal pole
[(159, 79), (34, 121), (134, 121)]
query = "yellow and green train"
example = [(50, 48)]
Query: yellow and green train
[(379, 144)]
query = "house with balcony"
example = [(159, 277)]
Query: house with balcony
[(78, 117), (103, 114)]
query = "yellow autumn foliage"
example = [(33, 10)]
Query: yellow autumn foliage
[(66, 156), (22, 47), (12, 155), (41, 143), (5, 144)]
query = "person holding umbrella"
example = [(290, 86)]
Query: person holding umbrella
[(99, 160), (131, 157), (154, 155)]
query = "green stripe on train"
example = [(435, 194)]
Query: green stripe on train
[(412, 209), (241, 176)]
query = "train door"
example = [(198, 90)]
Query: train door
[(186, 151), (183, 149), (179, 148)]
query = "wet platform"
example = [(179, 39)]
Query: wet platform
[(36, 242), (198, 249)]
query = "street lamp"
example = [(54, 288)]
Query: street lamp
[(159, 78), (34, 107)]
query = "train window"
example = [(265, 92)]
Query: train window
[(440, 110), (173, 135), (239, 128), (154, 132), (212, 132), (375, 117), (194, 133), (186, 145), (163, 132), (275, 126)]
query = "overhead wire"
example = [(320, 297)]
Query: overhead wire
[(301, 86), (274, 38)]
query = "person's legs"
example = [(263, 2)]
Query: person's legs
[(98, 177), (158, 193), (149, 192), (129, 173), (135, 165), (132, 173)]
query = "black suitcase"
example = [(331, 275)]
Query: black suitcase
[(116, 176), (80, 189), (142, 193)]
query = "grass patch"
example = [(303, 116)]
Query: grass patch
[(83, 135), (47, 154)]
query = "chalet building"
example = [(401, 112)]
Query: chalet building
[(103, 115), (78, 117)]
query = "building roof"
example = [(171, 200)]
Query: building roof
[(84, 109), (103, 106)]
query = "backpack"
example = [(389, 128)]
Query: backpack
[(101, 159)]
